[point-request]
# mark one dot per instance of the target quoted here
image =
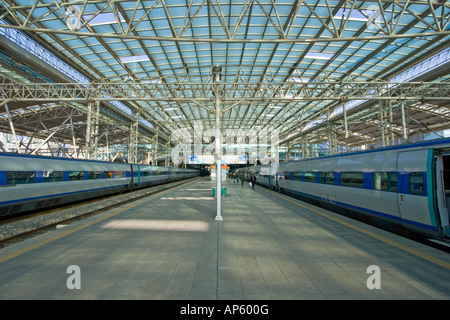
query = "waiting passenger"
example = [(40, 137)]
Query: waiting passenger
[(253, 181)]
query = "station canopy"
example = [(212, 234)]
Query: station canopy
[(340, 74)]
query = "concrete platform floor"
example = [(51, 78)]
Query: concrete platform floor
[(269, 246)]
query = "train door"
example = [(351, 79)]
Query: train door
[(443, 188), (274, 177), (412, 189)]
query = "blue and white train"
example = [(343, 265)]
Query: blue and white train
[(34, 182), (400, 188)]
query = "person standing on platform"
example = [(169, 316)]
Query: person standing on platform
[(242, 179), (253, 180)]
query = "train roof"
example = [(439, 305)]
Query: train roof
[(20, 155), (69, 159), (429, 143)]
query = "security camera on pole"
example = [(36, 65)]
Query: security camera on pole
[(217, 70)]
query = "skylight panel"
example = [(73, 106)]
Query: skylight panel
[(138, 58), (298, 79), (354, 14), (103, 19), (319, 55)]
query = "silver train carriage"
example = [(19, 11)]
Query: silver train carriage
[(404, 189), (35, 182)]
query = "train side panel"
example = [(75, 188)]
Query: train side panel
[(29, 183), (33, 182), (395, 186), (373, 202), (147, 175), (414, 207)]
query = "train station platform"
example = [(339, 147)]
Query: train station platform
[(268, 246)]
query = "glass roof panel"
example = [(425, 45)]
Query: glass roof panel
[(256, 42)]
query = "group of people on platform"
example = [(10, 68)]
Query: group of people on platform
[(240, 177)]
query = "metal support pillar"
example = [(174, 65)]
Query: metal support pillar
[(332, 141), (88, 148), (155, 148), (96, 129), (92, 127), (288, 153), (132, 152), (305, 147), (107, 144), (405, 134), (217, 74), (11, 125), (383, 141), (74, 142), (391, 125), (167, 153), (345, 120)]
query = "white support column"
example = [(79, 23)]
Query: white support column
[(288, 152), (88, 148), (391, 125), (332, 142), (345, 120), (107, 144), (155, 148), (167, 154), (305, 148), (11, 125), (405, 134), (132, 152), (74, 142), (96, 129), (216, 72), (383, 141), (92, 124)]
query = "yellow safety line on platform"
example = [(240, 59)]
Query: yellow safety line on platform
[(59, 236), (369, 233)]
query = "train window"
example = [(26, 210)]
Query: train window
[(107, 174), (310, 176), (386, 181), (297, 176), (352, 179), (76, 175), (287, 176), (326, 177), (52, 176), (118, 174), (93, 175), (416, 183), (20, 177)]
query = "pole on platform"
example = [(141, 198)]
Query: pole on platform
[(217, 71)]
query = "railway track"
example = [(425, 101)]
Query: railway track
[(28, 225)]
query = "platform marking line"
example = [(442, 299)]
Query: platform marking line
[(59, 236), (369, 233)]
